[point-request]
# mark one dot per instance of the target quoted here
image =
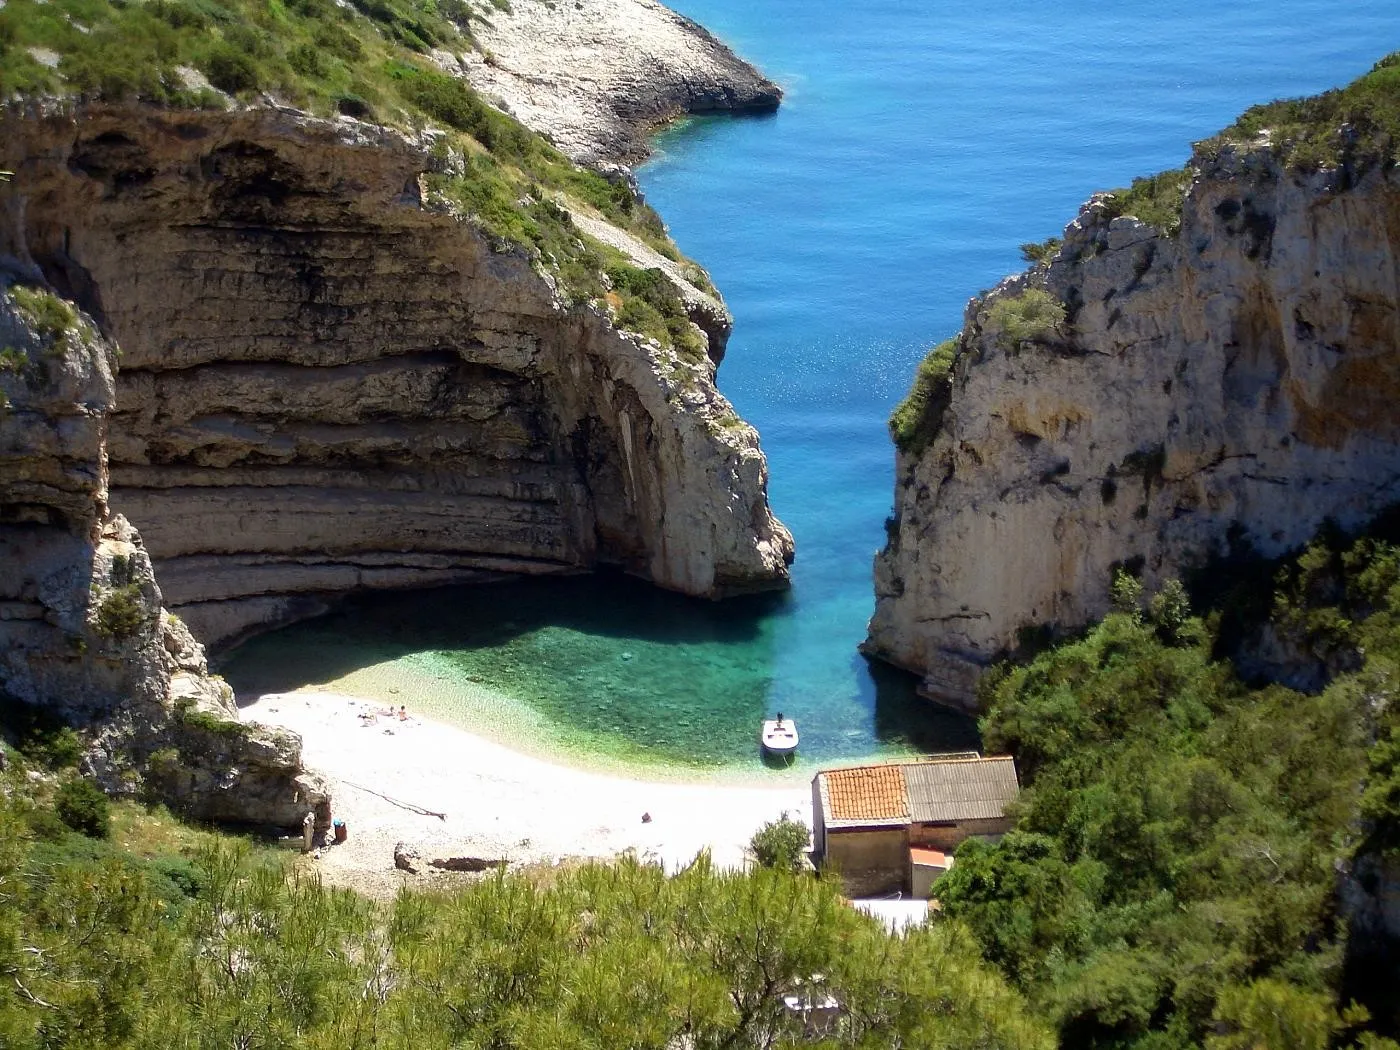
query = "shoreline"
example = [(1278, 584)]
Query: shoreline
[(479, 710), (387, 777), (600, 78)]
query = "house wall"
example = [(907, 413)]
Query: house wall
[(871, 862), (924, 876), (818, 819), (945, 837)]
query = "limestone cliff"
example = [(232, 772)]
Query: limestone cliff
[(82, 631), (598, 76), (1234, 381), (331, 381)]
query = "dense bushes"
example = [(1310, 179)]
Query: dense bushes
[(224, 948), (650, 305), (1172, 874), (1156, 200), (120, 611)]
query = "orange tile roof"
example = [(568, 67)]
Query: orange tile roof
[(867, 793)]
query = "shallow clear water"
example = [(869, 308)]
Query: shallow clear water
[(606, 666), (918, 146)]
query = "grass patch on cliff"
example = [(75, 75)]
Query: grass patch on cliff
[(650, 306), (915, 421), (1156, 199), (1033, 316), (49, 315), (367, 59)]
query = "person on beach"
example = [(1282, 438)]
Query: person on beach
[(403, 714)]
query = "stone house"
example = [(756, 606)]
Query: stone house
[(892, 828)]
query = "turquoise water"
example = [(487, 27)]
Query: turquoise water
[(919, 144)]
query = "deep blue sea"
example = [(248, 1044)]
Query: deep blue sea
[(918, 145)]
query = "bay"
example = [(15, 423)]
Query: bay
[(918, 145)]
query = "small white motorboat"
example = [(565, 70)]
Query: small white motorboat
[(779, 736)]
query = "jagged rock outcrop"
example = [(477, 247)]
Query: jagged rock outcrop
[(1235, 382), (82, 631), (598, 76), (328, 383)]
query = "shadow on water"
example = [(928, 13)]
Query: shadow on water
[(369, 629), (906, 719)]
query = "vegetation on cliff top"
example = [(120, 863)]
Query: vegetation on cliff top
[(1359, 122), (370, 59), (1172, 876), (915, 421), (161, 937)]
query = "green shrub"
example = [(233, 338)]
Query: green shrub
[(1156, 200), (652, 306), (45, 824), (915, 421), (1035, 254), (1032, 316), (59, 749), (81, 805), (39, 735), (354, 106), (187, 877), (230, 69), (335, 40), (308, 60), (1177, 831), (212, 724), (121, 611), (780, 843)]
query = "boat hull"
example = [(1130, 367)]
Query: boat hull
[(779, 739)]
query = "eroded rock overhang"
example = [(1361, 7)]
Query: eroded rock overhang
[(327, 385)]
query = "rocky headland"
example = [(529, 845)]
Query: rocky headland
[(598, 76), (83, 633), (1149, 396)]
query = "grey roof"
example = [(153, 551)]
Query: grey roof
[(968, 789)]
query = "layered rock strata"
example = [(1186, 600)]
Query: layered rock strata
[(331, 383), (82, 630), (1234, 383), (598, 76)]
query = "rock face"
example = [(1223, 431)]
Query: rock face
[(329, 384), (597, 76), (1235, 382), (82, 631)]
